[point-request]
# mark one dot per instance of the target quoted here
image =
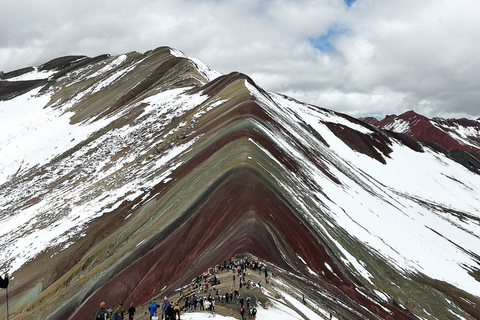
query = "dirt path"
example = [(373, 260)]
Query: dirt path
[(229, 281)]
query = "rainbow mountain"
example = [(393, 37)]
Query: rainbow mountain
[(124, 177)]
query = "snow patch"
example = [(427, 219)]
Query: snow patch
[(210, 74), (32, 75)]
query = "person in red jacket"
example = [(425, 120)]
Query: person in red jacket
[(242, 312)]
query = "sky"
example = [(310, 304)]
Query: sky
[(363, 57)]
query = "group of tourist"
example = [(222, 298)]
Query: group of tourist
[(117, 314), (167, 310), (203, 295)]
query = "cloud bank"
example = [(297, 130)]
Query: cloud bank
[(364, 57)]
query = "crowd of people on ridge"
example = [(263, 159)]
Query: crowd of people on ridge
[(206, 284), (203, 294)]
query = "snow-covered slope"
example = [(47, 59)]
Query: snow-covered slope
[(402, 209), (123, 177)]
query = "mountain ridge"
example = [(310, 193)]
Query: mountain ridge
[(175, 168)]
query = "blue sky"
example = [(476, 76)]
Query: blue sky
[(349, 2), (324, 41)]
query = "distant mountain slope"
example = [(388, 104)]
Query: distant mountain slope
[(451, 136), (462, 134), (124, 177)]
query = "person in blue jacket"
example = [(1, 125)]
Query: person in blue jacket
[(153, 309), (165, 306)]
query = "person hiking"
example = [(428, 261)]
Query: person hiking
[(192, 305), (109, 312), (102, 313), (170, 313), (207, 304), (242, 312), (4, 282), (176, 309), (115, 316), (165, 305), (131, 312), (120, 310), (152, 308), (4, 285)]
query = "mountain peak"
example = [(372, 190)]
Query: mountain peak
[(128, 176), (451, 134), (370, 120)]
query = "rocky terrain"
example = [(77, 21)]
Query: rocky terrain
[(124, 177)]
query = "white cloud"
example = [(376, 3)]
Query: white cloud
[(378, 102), (386, 57)]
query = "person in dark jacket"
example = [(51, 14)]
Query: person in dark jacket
[(131, 311), (170, 312), (102, 314), (4, 282)]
